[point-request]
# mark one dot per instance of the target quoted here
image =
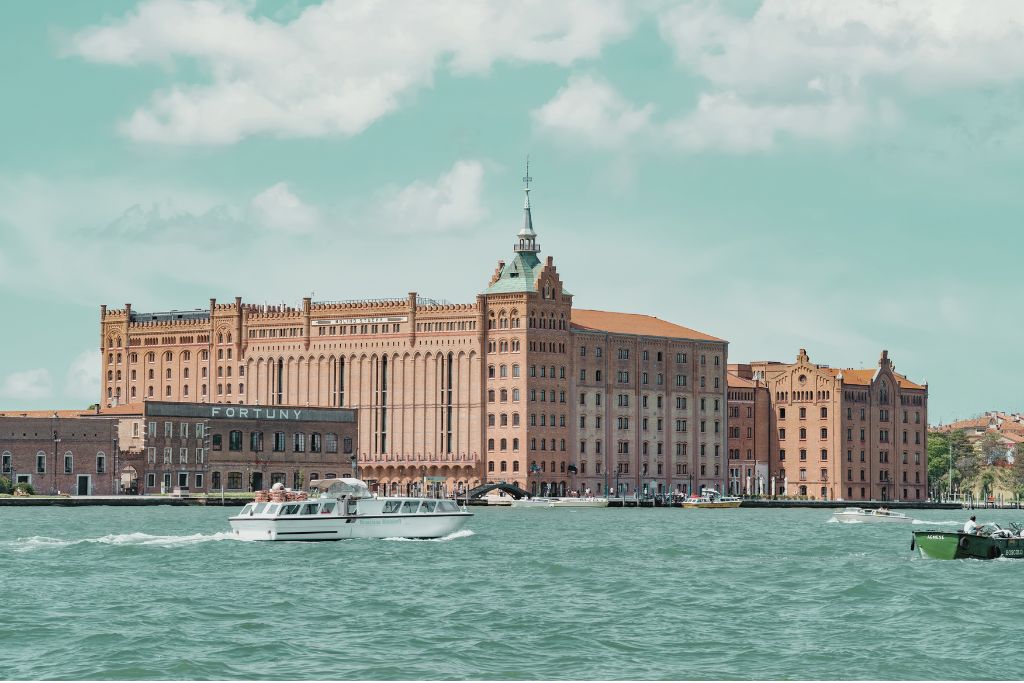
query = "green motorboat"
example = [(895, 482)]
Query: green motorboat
[(990, 543)]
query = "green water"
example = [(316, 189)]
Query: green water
[(154, 593)]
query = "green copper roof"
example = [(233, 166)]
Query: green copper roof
[(518, 275)]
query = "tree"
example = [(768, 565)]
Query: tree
[(965, 459), (5, 485), (992, 449), (1017, 472)]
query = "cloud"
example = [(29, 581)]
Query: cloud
[(788, 44), (333, 69), (277, 207), (28, 385), (452, 202), (725, 122), (83, 377), (591, 109)]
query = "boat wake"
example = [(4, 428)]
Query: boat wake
[(462, 533), (40, 542)]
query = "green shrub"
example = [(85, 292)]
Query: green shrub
[(26, 487), (5, 485)]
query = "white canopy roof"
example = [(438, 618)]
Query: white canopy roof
[(342, 486)]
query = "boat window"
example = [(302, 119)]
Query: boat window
[(245, 510), (428, 506), (392, 506), (409, 507), (259, 508), (290, 510), (447, 506), (326, 508), (272, 509), (309, 509)]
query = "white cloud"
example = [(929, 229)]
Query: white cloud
[(452, 202), (277, 207), (787, 44), (83, 378), (28, 385), (592, 110), (335, 68), (724, 121)]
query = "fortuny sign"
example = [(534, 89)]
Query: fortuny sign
[(216, 411)]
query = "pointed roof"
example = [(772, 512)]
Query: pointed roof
[(518, 275)]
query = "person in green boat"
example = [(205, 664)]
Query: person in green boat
[(971, 525)]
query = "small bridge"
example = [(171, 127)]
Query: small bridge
[(511, 489)]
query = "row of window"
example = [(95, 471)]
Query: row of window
[(299, 443), (7, 462)]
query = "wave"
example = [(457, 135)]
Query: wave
[(462, 533), (137, 538)]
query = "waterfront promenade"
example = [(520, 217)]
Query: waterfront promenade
[(237, 500)]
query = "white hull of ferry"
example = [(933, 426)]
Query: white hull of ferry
[(342, 528)]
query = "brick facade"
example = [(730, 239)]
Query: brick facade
[(454, 390), (62, 452)]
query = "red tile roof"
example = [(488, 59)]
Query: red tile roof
[(864, 377), (633, 323)]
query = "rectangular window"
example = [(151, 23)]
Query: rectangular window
[(183, 456), (199, 480), (183, 432), (235, 480), (41, 463), (151, 429), (168, 429), (167, 455), (256, 441), (216, 442), (235, 441)]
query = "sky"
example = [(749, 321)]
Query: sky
[(840, 177)]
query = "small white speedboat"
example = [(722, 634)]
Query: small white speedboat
[(853, 515), (344, 508), (533, 503), (572, 502)]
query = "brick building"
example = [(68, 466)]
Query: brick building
[(64, 451), (205, 447), (517, 386), (749, 429), (846, 433)]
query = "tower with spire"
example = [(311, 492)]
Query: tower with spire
[(527, 238)]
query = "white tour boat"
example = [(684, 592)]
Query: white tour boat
[(710, 498), (344, 508), (851, 515)]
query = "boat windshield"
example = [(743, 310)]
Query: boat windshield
[(272, 509), (290, 510), (309, 509), (428, 506), (447, 506), (392, 506), (259, 508), (327, 508), (246, 509), (409, 507)]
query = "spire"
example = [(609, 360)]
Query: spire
[(527, 238)]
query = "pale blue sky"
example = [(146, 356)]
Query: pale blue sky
[(822, 175)]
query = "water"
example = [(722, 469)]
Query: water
[(165, 593)]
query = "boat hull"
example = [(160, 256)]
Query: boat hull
[(532, 503), (850, 517), (311, 528), (717, 504), (953, 545), (581, 503)]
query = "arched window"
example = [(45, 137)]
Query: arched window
[(504, 395), (515, 395), (504, 444), (150, 357), (186, 355), (69, 462), (490, 395), (168, 356), (515, 416), (101, 462), (168, 373), (132, 393), (515, 444), (490, 371), (490, 444), (167, 390), (503, 370), (504, 419)]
